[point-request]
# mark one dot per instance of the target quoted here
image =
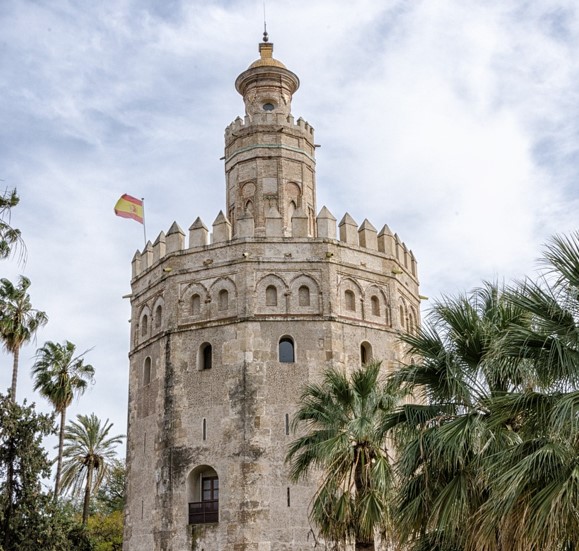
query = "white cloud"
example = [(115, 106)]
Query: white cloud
[(453, 122)]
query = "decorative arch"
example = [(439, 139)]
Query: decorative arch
[(412, 320), (193, 302), (144, 327), (224, 294), (202, 488), (264, 293), (247, 190), (403, 314), (350, 294), (377, 307), (304, 295), (157, 321)]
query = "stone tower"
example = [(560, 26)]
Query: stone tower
[(226, 331)]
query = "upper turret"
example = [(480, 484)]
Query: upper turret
[(269, 158), (267, 85)]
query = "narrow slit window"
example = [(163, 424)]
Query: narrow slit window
[(288, 497), (375, 304), (304, 295), (144, 325), (350, 300), (287, 424), (147, 371), (204, 429), (195, 304), (223, 299)]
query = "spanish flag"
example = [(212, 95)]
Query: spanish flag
[(130, 207)]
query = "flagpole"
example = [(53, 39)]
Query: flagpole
[(144, 227)]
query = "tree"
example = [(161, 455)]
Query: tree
[(489, 460), (29, 519), (88, 454), (22, 463), (445, 440), (10, 238), (59, 375), (344, 438), (18, 321), (534, 484), (106, 531), (111, 495)]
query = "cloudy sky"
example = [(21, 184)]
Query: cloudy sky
[(456, 122)]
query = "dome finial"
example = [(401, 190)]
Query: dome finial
[(265, 36)]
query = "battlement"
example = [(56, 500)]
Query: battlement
[(269, 119), (346, 232)]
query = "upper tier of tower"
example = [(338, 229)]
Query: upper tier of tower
[(267, 85), (269, 158)]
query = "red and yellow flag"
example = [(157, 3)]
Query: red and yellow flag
[(130, 207)]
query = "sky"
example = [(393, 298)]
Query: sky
[(455, 122)]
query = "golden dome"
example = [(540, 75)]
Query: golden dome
[(266, 59)]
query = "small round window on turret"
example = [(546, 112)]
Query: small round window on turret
[(268, 106)]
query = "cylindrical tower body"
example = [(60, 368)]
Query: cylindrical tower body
[(225, 335)]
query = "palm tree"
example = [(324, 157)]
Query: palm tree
[(343, 418), (59, 375), (88, 453), (10, 238), (445, 440), (534, 485), (18, 321)]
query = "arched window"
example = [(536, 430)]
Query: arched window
[(249, 208), (402, 317), (304, 295), (158, 316), (144, 325), (205, 360), (375, 303), (271, 295), (223, 299), (195, 304), (147, 371), (203, 495), (365, 353), (286, 350), (350, 300)]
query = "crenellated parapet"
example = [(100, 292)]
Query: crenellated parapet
[(268, 119), (346, 233)]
